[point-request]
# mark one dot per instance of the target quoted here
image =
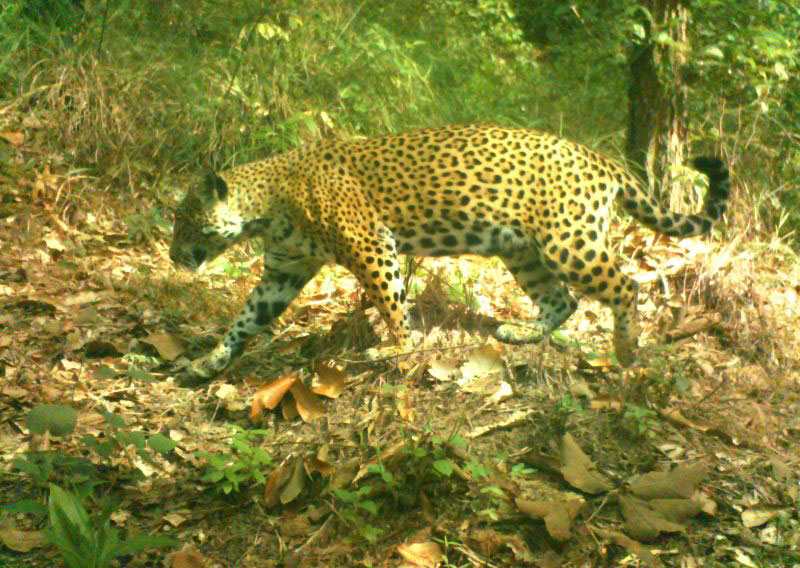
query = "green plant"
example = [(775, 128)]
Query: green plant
[(243, 463), (78, 471), (354, 505), (644, 419), (86, 542)]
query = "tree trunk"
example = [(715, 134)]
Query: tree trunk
[(657, 121)]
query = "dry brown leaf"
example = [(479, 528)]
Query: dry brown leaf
[(21, 541), (557, 515), (13, 137), (444, 369), (313, 464), (270, 395), (578, 470), (676, 510), (309, 405), (625, 541), (782, 471), (387, 455), (289, 409), (276, 480), (596, 363), (674, 415), (423, 554), (296, 483), (643, 522), (331, 380), (605, 403), (761, 515), (679, 483), (187, 557), (168, 346)]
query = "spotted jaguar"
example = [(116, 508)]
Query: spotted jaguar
[(540, 203)]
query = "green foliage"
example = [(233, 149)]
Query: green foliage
[(244, 463), (645, 420), (86, 542), (58, 419), (58, 466), (357, 509)]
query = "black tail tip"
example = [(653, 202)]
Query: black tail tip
[(713, 167)]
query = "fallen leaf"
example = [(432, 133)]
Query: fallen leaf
[(13, 137), (757, 516), (625, 541), (557, 515), (309, 405), (21, 541), (674, 415), (168, 346), (187, 557), (681, 482), (175, 518), (578, 470), (444, 369), (423, 554), (331, 380), (643, 522), (276, 480), (270, 395), (676, 510), (313, 464), (295, 485)]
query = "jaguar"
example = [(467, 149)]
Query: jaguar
[(539, 202)]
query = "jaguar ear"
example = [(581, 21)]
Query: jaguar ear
[(215, 185)]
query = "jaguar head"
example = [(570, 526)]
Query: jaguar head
[(205, 224)]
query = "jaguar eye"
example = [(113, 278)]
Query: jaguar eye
[(199, 255)]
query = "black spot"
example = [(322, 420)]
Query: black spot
[(472, 239), (450, 241)]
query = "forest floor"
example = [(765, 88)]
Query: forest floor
[(465, 453)]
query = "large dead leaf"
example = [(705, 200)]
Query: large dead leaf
[(276, 480), (625, 541), (578, 470), (483, 372), (444, 369), (757, 516), (331, 380), (187, 557), (168, 346), (309, 405), (423, 554), (677, 510), (296, 483), (642, 521), (557, 515), (679, 483), (270, 395), (21, 541)]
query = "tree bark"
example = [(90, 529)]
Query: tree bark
[(657, 118)]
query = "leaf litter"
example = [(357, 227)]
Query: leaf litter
[(83, 323)]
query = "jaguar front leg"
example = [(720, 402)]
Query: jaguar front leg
[(282, 281)]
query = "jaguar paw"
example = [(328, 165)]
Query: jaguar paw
[(518, 333)]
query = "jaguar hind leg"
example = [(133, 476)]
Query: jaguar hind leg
[(555, 302)]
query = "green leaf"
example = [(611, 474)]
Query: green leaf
[(113, 420), (26, 466), (58, 419), (27, 507), (444, 467), (161, 444), (713, 51)]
